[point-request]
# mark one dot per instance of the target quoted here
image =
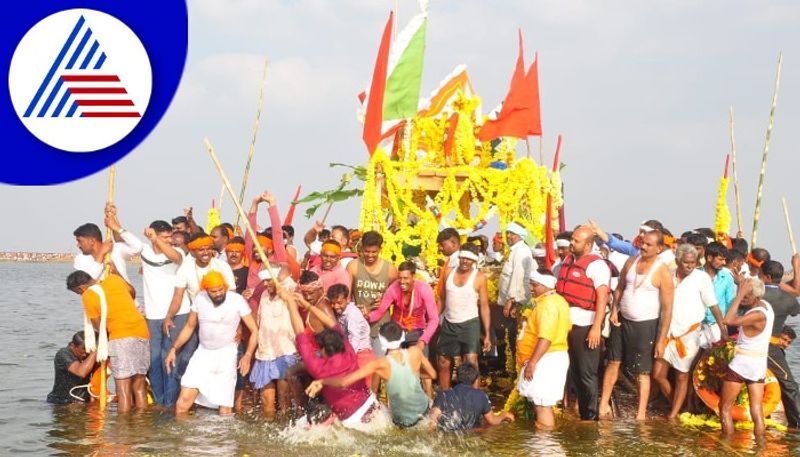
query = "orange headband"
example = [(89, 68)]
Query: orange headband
[(669, 241), (212, 280), (234, 247), (753, 261), (229, 232), (202, 242), (331, 247), (265, 242)]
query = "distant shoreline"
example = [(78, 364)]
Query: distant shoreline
[(42, 257)]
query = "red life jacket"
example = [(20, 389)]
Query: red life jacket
[(574, 285)]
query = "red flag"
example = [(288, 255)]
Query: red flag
[(520, 115), (374, 115), (550, 254), (290, 214)]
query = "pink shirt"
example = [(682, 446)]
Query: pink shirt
[(279, 250), (336, 276), (424, 313)]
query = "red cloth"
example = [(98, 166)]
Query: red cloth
[(373, 120)]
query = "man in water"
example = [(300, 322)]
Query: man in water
[(128, 338), (465, 406), (72, 368), (210, 377)]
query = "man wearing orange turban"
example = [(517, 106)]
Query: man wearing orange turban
[(330, 270)]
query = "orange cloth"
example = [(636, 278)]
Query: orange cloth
[(331, 246), (213, 279), (752, 261), (202, 242), (123, 320), (774, 340), (679, 342), (234, 247), (264, 242)]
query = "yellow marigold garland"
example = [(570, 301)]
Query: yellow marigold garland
[(722, 217)]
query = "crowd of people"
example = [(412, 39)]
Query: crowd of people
[(334, 334)]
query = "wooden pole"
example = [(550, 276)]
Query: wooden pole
[(240, 210), (760, 189), (112, 175), (541, 150), (252, 149), (327, 211), (527, 148), (789, 226), (739, 224), (221, 198)]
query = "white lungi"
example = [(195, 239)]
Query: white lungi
[(709, 334), (691, 342), (546, 387), (213, 373)]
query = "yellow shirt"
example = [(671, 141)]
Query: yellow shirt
[(549, 319), (124, 320)]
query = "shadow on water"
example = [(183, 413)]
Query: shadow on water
[(30, 426)]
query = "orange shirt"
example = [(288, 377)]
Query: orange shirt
[(549, 319), (124, 320)]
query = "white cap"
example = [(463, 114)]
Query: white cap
[(548, 281), (562, 243), (517, 229), (265, 276), (538, 252)]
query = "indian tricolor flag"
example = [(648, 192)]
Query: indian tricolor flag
[(393, 94)]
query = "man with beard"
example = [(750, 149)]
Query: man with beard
[(93, 250), (234, 252), (724, 290), (221, 235), (210, 377), (330, 270), (512, 290)]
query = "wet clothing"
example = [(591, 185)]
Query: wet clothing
[(750, 353), (129, 357), (462, 407), (783, 305), (337, 275), (368, 290), (421, 314), (124, 319), (64, 381), (406, 397), (725, 291), (546, 388), (639, 340), (459, 339)]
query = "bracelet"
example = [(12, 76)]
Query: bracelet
[(121, 231)]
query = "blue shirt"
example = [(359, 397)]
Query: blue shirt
[(623, 247), (725, 290), (462, 407)]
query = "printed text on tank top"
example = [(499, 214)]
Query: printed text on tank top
[(370, 285)]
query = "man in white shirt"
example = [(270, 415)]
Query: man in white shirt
[(160, 262), (93, 250), (694, 293)]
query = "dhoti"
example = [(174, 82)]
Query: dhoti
[(546, 387), (681, 359), (213, 373)]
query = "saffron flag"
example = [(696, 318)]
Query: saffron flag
[(374, 113), (520, 115)]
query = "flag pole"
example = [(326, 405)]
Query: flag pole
[(252, 148), (789, 226), (112, 176), (528, 147), (240, 210), (760, 189), (739, 231)]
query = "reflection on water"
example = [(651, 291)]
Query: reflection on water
[(40, 316)]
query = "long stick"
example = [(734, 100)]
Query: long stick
[(789, 226), (221, 198), (739, 224), (252, 149), (112, 174), (327, 211), (242, 214), (760, 189)]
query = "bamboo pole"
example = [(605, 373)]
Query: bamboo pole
[(240, 210), (527, 148), (789, 226), (252, 149), (221, 198), (739, 224), (541, 150), (327, 211), (760, 189), (112, 175)]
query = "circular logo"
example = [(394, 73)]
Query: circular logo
[(80, 80)]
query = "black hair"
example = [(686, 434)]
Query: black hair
[(237, 239), (564, 236), (324, 233), (448, 234), (228, 226), (654, 224), (471, 248), (467, 373), (161, 226), (337, 290), (391, 331), (706, 232), (740, 245), (732, 255), (331, 341), (696, 239), (761, 254), (223, 229), (77, 279), (716, 249), (477, 241), (371, 239), (181, 233), (408, 265), (788, 331), (343, 230), (180, 220), (78, 339), (773, 270), (307, 277), (288, 229), (88, 230)]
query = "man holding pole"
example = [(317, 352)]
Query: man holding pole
[(93, 250)]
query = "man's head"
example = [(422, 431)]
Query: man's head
[(563, 242), (652, 244), (265, 241), (330, 253), (754, 296), (581, 241), (341, 235), (88, 237), (468, 375), (467, 257), (266, 278), (330, 342), (288, 233), (234, 251), (497, 242), (78, 281), (740, 245), (756, 259), (648, 226), (215, 286), (771, 272), (78, 346), (391, 335), (163, 230), (337, 297), (734, 260), (220, 236), (699, 242), (310, 286), (180, 224), (200, 245), (686, 259), (449, 241), (479, 241), (541, 282), (716, 254), (515, 233), (787, 336), (371, 243), (324, 235), (405, 275), (179, 239), (355, 239)]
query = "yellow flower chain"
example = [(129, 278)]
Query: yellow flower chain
[(722, 216)]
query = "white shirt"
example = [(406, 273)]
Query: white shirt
[(692, 296), (514, 276), (158, 279), (190, 275), (218, 324), (120, 253), (600, 275)]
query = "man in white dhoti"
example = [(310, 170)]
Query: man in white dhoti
[(210, 378)]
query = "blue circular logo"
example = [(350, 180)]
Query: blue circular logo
[(87, 82)]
